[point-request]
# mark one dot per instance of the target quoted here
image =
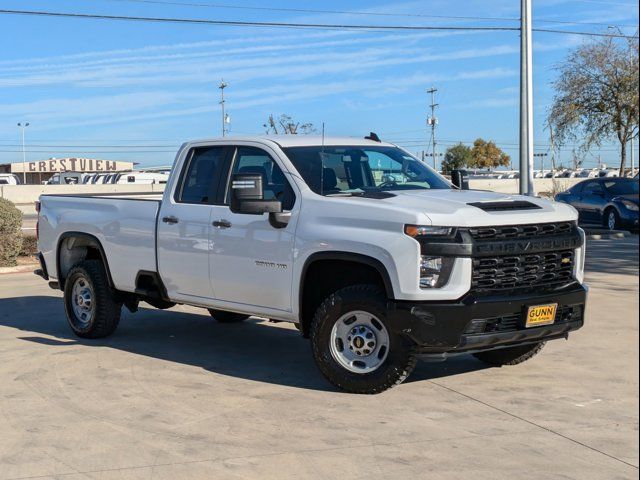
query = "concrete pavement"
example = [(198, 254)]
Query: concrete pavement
[(175, 395)]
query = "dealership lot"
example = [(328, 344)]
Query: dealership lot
[(173, 394)]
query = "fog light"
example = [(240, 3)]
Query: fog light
[(430, 271)]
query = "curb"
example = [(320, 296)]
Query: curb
[(602, 234), (19, 269)]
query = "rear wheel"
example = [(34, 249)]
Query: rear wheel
[(511, 355), (92, 310), (227, 317), (353, 345)]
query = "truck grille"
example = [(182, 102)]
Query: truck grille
[(521, 231), (522, 272)]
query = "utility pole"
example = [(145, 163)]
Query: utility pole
[(526, 99), (23, 127), (433, 121), (225, 117)]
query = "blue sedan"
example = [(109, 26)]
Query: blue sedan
[(612, 202)]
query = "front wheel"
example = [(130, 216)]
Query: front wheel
[(611, 219), (509, 356), (92, 310), (353, 345)]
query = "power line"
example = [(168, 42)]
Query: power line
[(91, 146), (328, 26), (360, 13)]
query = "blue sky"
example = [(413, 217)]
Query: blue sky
[(96, 88)]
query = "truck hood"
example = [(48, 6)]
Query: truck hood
[(452, 207)]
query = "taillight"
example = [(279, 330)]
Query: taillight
[(37, 207)]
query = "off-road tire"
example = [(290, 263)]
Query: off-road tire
[(511, 355), (401, 357), (107, 309), (227, 317)]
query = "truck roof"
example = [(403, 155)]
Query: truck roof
[(298, 140)]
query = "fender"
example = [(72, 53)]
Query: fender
[(350, 257), (93, 242)]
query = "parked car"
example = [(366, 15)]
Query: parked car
[(146, 178), (66, 178), (304, 229), (611, 202), (9, 179)]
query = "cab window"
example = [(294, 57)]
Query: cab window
[(201, 176)]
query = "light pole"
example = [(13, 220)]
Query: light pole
[(526, 100), (23, 126)]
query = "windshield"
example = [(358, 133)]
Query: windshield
[(355, 170), (621, 186)]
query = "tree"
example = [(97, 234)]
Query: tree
[(286, 125), (487, 155), (457, 156), (597, 95)]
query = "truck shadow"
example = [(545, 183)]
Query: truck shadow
[(255, 350)]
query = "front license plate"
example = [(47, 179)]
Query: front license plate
[(541, 315)]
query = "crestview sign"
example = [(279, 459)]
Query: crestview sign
[(71, 165)]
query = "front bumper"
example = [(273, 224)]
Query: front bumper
[(629, 218), (485, 322)]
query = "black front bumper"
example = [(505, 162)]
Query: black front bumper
[(485, 322)]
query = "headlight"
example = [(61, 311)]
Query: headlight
[(630, 205), (435, 271), (427, 231)]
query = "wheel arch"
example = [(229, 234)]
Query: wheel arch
[(73, 247), (609, 207), (357, 265)]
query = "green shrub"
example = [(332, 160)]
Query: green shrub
[(10, 233), (29, 246)]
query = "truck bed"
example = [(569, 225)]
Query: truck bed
[(125, 225)]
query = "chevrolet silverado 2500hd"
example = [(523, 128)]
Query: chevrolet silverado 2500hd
[(373, 255)]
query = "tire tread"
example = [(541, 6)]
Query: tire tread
[(108, 309)]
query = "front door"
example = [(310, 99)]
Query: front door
[(184, 226), (591, 202), (251, 261)]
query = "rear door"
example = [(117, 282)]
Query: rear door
[(251, 262), (184, 226)]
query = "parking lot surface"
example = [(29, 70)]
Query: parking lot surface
[(173, 394)]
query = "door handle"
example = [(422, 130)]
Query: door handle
[(171, 219), (222, 224)]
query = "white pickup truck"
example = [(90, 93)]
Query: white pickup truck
[(373, 255)]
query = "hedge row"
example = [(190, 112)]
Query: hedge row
[(10, 233)]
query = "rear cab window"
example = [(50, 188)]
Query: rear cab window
[(201, 175)]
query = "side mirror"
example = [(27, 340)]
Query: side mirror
[(247, 195), (459, 179)]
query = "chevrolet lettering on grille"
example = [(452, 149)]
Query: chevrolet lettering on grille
[(526, 246)]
